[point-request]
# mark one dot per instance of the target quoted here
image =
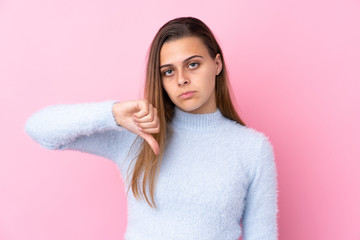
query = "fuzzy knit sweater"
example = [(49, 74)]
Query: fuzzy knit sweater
[(215, 173)]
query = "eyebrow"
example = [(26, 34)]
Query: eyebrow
[(187, 59)]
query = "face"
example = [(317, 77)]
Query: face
[(188, 74)]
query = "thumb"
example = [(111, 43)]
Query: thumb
[(151, 141)]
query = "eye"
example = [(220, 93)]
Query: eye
[(193, 65), (167, 71)]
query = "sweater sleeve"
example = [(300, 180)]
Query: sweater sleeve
[(260, 214), (87, 127)]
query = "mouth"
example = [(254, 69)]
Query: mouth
[(186, 94)]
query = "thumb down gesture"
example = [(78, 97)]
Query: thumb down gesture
[(139, 117)]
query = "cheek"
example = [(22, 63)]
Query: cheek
[(167, 89), (163, 84), (210, 81), (208, 75)]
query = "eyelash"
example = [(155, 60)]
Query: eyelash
[(197, 65)]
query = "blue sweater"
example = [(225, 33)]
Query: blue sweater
[(215, 173)]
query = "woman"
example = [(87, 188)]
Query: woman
[(205, 171)]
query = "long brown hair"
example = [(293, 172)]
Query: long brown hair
[(147, 162)]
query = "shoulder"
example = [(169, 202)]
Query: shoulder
[(241, 133), (246, 140), (255, 145)]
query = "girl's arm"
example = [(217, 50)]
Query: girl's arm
[(87, 127), (260, 214)]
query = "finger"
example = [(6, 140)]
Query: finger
[(151, 141), (152, 124), (143, 107), (151, 130), (148, 118)]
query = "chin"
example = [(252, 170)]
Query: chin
[(188, 107)]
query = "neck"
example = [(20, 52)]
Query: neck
[(197, 121)]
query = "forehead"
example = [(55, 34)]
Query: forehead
[(179, 49)]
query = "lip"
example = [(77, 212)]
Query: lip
[(187, 94)]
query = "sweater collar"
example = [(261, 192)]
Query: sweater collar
[(192, 121)]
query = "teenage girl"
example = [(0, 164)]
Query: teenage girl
[(207, 174)]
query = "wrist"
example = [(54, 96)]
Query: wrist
[(114, 106)]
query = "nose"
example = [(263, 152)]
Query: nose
[(183, 79)]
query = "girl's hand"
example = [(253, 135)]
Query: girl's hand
[(139, 117)]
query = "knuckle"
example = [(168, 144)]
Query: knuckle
[(148, 118), (151, 117)]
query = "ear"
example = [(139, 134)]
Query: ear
[(218, 64)]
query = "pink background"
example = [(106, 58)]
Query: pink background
[(294, 67)]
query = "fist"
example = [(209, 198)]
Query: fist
[(139, 117)]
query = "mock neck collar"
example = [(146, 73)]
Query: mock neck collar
[(193, 121)]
